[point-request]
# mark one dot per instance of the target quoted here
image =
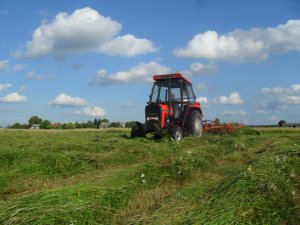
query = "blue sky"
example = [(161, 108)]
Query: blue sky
[(70, 61)]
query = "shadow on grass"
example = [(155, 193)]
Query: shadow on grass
[(148, 137)]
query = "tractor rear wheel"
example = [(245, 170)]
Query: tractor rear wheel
[(195, 124), (176, 133)]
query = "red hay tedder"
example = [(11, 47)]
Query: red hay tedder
[(215, 128)]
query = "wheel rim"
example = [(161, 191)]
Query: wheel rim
[(198, 126), (177, 136)]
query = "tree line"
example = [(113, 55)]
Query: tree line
[(46, 124)]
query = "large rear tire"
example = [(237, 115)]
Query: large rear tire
[(195, 124), (176, 133)]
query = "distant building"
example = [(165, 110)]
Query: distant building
[(55, 125), (294, 125), (104, 125), (35, 126)]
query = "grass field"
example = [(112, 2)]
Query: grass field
[(104, 177)]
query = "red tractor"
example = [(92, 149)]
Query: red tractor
[(172, 108)]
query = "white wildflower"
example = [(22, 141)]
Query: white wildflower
[(189, 152), (142, 175), (284, 158), (249, 168), (278, 159), (144, 181), (292, 174), (273, 186), (293, 192)]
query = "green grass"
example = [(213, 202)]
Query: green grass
[(104, 177)]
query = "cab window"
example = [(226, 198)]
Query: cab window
[(191, 93)]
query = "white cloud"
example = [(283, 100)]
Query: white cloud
[(14, 97), (128, 105), (203, 101), (22, 88), (85, 30), (290, 100), (4, 86), (139, 73), (4, 65), (272, 91), (68, 101), (255, 44), (33, 75), (280, 91), (201, 86), (41, 13), (201, 68), (233, 99), (274, 118), (92, 111), (127, 45), (19, 67), (278, 98), (234, 113), (296, 87), (261, 111), (273, 105), (77, 66)]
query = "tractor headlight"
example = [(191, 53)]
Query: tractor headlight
[(152, 118)]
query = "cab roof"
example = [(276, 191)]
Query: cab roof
[(173, 76)]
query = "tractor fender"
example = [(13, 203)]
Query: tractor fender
[(191, 109)]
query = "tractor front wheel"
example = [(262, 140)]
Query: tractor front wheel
[(176, 133), (195, 124), (137, 130)]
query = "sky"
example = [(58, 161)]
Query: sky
[(69, 61)]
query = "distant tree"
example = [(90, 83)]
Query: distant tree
[(17, 126), (90, 124), (115, 124), (78, 125), (104, 120), (46, 124), (97, 122), (217, 121), (281, 122), (129, 124), (68, 126), (34, 120)]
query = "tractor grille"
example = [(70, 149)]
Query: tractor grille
[(153, 111)]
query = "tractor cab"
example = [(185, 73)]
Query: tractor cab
[(170, 107), (173, 93)]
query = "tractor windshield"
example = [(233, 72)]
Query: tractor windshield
[(159, 93)]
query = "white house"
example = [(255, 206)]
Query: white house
[(35, 126), (104, 125)]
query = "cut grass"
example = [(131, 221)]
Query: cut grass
[(92, 177)]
